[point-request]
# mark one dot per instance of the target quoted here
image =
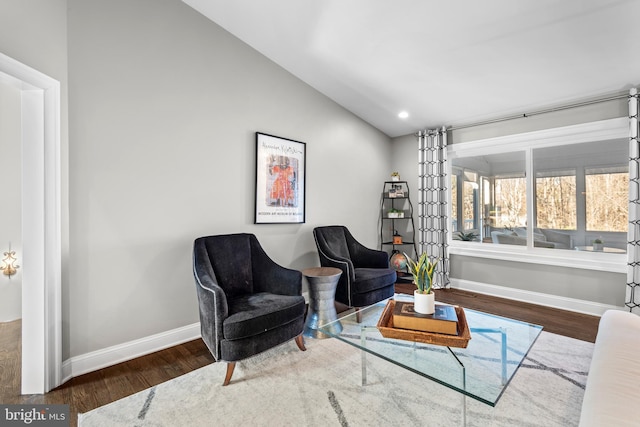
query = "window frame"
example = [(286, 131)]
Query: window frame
[(604, 130)]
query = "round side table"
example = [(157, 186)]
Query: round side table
[(322, 310)]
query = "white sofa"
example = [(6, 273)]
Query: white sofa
[(612, 395)]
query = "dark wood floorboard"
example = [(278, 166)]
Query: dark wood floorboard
[(95, 389)]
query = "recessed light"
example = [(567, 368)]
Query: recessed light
[(403, 114)]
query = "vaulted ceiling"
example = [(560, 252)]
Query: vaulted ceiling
[(443, 62)]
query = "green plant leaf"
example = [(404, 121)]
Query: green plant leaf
[(422, 272)]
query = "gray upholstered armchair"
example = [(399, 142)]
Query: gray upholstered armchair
[(248, 303), (366, 277)]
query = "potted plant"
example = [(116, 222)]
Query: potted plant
[(395, 176), (422, 272), (598, 245), (467, 237), (395, 213)]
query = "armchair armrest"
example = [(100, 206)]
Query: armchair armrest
[(331, 259), (212, 303), (337, 248)]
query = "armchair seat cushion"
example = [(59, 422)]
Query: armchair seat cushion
[(254, 314), (371, 279)]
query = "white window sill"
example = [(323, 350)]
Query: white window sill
[(615, 263)]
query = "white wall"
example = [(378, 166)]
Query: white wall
[(163, 107), (523, 279), (11, 216)]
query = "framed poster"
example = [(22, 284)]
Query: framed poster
[(280, 180)]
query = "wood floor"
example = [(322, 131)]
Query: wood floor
[(107, 385)]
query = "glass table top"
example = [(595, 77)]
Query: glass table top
[(482, 371)]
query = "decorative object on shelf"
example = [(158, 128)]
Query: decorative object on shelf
[(9, 266), (422, 272), (395, 213), (280, 180), (398, 261), (396, 192), (598, 245), (395, 176), (397, 238), (467, 237)]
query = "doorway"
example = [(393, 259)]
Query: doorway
[(41, 225)]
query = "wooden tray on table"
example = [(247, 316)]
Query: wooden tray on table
[(385, 326)]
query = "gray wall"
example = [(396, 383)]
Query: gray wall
[(11, 216), (163, 108), (34, 32), (588, 285), (405, 162)]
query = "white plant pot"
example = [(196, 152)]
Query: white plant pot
[(424, 303)]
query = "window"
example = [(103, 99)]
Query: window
[(494, 193), (469, 201), (606, 199), (464, 183), (556, 199), (510, 201), (559, 189)]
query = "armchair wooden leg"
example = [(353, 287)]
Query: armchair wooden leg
[(300, 342), (230, 367), (358, 315)]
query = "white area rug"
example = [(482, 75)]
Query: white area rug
[(321, 387)]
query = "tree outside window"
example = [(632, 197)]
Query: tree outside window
[(510, 201), (556, 200), (607, 199)]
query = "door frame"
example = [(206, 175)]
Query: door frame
[(41, 225)]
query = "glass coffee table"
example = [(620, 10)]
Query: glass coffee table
[(481, 371)]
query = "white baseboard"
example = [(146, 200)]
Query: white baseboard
[(110, 356), (563, 303), (89, 362)]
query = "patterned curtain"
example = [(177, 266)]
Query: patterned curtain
[(632, 300), (432, 201)]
